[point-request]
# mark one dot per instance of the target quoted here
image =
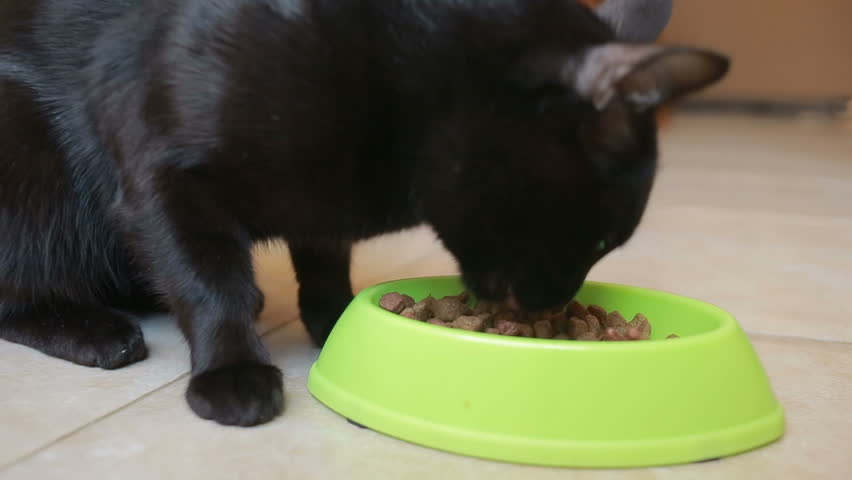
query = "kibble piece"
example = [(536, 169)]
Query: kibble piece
[(526, 330), (425, 308), (577, 327), (633, 333), (566, 323), (439, 322), (466, 322), (674, 335), (576, 309), (505, 316), (613, 335), (418, 311), (534, 317), (628, 334), (482, 307), (395, 302), (561, 324), (449, 308), (588, 337), (594, 324), (642, 325), (462, 297), (616, 321), (543, 329), (508, 328), (428, 302), (487, 319), (598, 311), (502, 323)]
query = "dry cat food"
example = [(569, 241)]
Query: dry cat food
[(570, 322)]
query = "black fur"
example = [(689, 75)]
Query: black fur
[(145, 145)]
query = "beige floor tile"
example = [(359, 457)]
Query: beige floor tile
[(764, 192), (778, 274), (754, 216), (437, 262), (813, 381), (44, 398), (732, 143), (387, 257), (158, 437), (49, 398)]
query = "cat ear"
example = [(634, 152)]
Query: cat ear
[(644, 76), (636, 21)]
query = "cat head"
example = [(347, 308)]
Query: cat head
[(539, 174)]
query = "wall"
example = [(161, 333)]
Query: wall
[(781, 49)]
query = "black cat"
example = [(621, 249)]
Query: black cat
[(145, 145)]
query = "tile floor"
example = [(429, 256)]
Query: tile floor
[(754, 215)]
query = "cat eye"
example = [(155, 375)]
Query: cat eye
[(601, 246)]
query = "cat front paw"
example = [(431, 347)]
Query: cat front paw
[(243, 394)]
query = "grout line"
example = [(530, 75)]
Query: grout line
[(831, 107), (271, 331), (277, 327), (80, 428), (280, 326), (774, 336), (268, 333), (372, 279), (123, 407), (795, 219)]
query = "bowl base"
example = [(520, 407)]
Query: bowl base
[(708, 447)]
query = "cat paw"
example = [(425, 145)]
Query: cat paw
[(244, 394), (109, 343), (93, 337)]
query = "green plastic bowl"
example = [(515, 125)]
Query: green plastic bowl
[(552, 402)]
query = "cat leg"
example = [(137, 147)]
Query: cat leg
[(199, 255), (87, 335), (322, 270), (44, 227)]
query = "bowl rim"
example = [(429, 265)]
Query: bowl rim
[(369, 298)]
